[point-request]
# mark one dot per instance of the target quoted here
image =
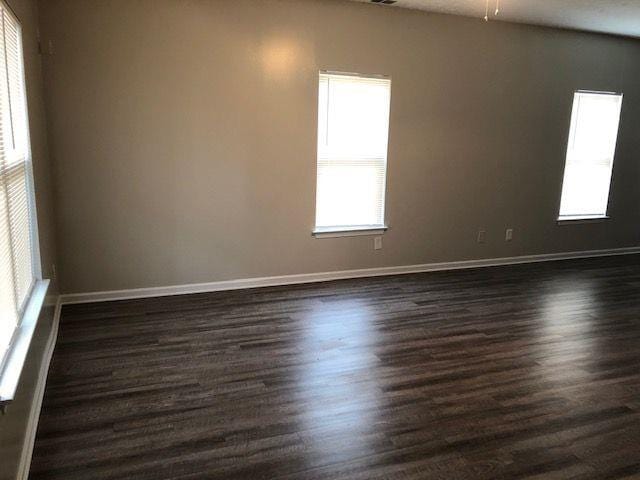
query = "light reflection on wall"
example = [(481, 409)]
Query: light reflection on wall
[(336, 383), (280, 58)]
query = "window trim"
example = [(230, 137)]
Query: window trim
[(12, 363), (376, 76), (593, 218), (19, 346), (582, 219), (353, 230), (359, 231)]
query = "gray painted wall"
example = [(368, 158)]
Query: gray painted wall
[(184, 136)]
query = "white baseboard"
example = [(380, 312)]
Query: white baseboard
[(113, 295), (38, 396)]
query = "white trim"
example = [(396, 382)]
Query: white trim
[(336, 232), (38, 396), (113, 295), (577, 219), (373, 76), (11, 370)]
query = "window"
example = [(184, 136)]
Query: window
[(353, 131), (592, 144), (19, 261)]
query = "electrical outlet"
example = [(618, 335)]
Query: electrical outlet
[(482, 236), (508, 236), (54, 273), (377, 243)]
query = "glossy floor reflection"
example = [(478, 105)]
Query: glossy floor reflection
[(529, 371)]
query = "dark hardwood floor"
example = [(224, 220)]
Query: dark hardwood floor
[(529, 371)]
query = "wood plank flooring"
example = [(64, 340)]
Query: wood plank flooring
[(529, 371)]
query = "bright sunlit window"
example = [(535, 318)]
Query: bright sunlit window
[(353, 131), (18, 256), (590, 153)]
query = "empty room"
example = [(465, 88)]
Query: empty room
[(319, 239)]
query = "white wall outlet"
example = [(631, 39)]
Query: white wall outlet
[(54, 273), (508, 236), (482, 236), (377, 243)]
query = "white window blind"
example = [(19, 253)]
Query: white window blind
[(590, 153), (353, 131), (17, 275)]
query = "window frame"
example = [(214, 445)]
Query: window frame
[(12, 361), (591, 218), (353, 230)]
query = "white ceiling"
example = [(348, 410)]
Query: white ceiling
[(620, 17)]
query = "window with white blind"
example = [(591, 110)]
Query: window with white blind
[(590, 153), (18, 256), (353, 131)]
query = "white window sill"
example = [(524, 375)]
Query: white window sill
[(578, 219), (12, 369), (336, 232)]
